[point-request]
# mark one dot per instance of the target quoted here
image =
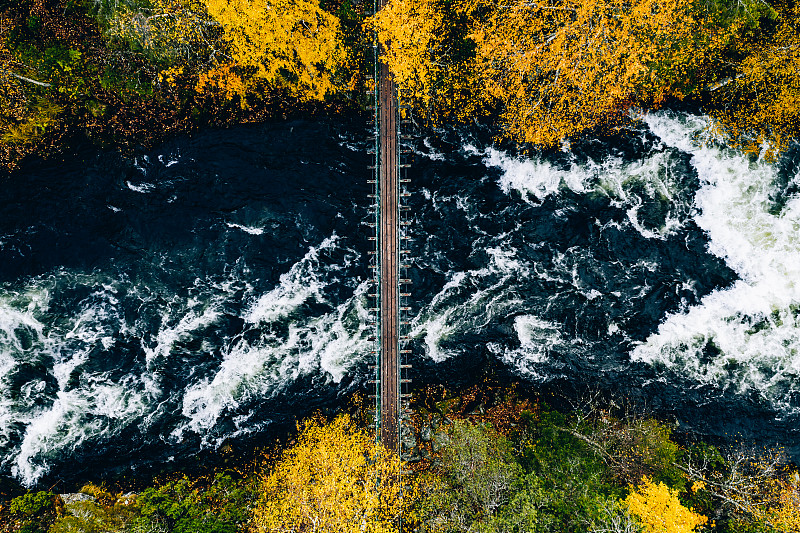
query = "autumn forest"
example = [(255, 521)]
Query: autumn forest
[(486, 460), (111, 70), (122, 76)]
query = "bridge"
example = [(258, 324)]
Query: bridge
[(390, 255)]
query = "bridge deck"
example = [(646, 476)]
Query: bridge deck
[(389, 261)]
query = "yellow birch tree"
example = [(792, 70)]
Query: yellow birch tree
[(287, 43), (660, 511), (409, 32), (554, 68), (431, 56), (564, 66), (335, 479), (784, 513)]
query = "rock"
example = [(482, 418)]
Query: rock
[(425, 434), (439, 442), (407, 439), (73, 497)]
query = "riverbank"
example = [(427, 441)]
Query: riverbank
[(130, 75), (77, 71), (487, 456)]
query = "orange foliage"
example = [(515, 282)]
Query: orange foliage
[(224, 80), (777, 504), (565, 66), (553, 68), (786, 514)]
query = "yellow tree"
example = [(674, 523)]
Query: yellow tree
[(660, 511), (784, 513), (760, 102), (287, 43), (335, 479), (553, 68), (410, 33), (428, 51), (224, 80), (563, 66)]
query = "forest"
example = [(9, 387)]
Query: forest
[(486, 459), (127, 73)]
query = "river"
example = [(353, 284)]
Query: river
[(199, 293)]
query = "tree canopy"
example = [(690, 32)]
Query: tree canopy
[(287, 43), (660, 510), (335, 479), (540, 71), (758, 103), (556, 68)]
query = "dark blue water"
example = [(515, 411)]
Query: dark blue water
[(211, 289)]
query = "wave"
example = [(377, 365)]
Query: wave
[(652, 190), (279, 345), (563, 265), (744, 337), (86, 358)]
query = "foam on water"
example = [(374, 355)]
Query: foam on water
[(61, 388), (143, 188), (469, 301), (41, 424), (629, 185), (251, 371), (283, 347), (745, 337), (295, 288), (247, 229), (534, 179), (536, 338), (99, 408), (20, 331), (554, 288), (550, 265), (197, 316)]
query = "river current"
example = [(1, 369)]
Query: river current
[(156, 305)]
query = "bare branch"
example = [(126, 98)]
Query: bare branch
[(723, 82), (29, 80)]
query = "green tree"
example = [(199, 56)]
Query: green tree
[(35, 511), (218, 505), (104, 512), (473, 478), (574, 481)]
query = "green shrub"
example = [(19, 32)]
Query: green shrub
[(35, 511), (187, 506)]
